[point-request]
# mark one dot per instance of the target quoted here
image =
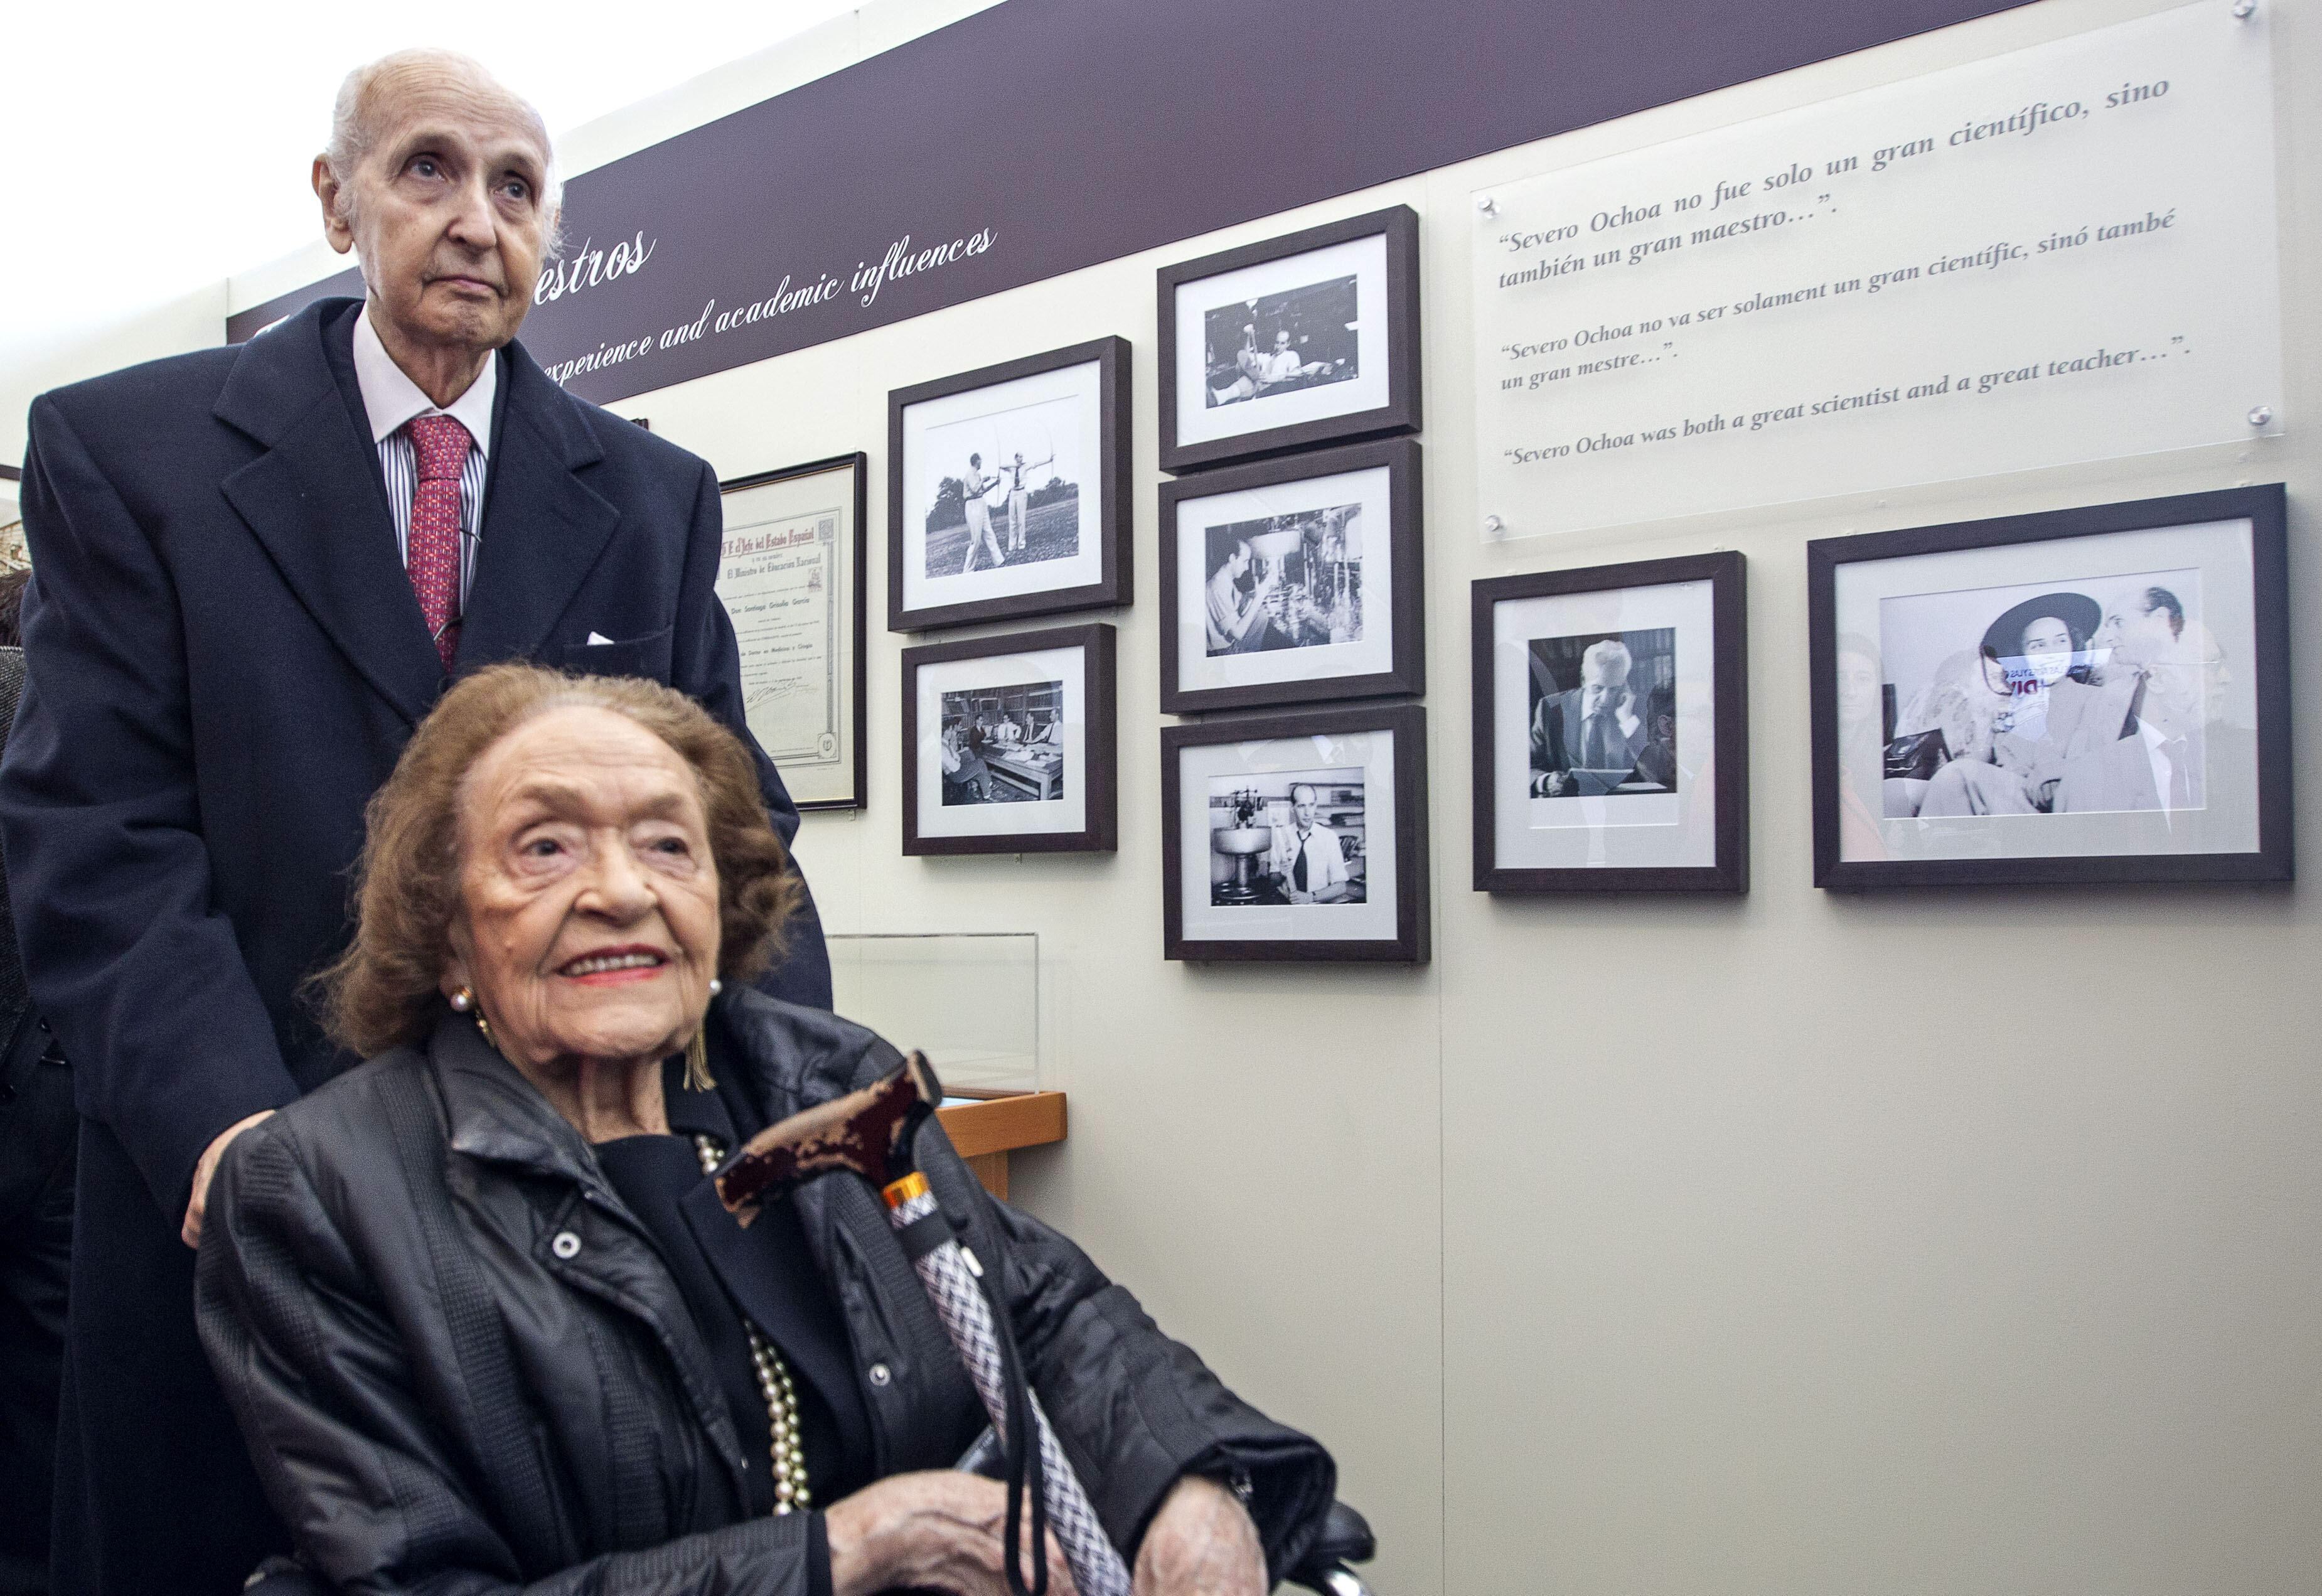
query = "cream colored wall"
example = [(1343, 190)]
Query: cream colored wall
[(1951, 1242)]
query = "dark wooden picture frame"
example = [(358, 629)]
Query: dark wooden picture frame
[(857, 663), (1099, 832), (1405, 608), (1399, 413), (1730, 708), (2264, 506), (1113, 586), (1406, 724)]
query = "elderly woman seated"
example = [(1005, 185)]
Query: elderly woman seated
[(485, 1324)]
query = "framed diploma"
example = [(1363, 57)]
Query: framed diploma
[(790, 576)]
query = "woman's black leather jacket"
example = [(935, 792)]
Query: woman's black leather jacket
[(462, 1368)]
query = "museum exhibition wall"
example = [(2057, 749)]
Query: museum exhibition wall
[(1720, 1143)]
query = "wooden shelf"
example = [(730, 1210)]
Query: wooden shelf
[(985, 1133)]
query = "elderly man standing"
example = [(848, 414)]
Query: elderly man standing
[(258, 568)]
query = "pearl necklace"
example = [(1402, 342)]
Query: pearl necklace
[(790, 1493)]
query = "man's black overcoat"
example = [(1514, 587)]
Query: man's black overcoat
[(223, 659)]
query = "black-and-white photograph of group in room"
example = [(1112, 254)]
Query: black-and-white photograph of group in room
[(2082, 695), (1280, 343), (1008, 744), (1292, 836), (1603, 714), (1306, 339), (1293, 579), (1008, 489), (1005, 744), (1299, 835), (1612, 729)]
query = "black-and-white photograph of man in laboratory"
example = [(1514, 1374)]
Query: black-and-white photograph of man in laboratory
[(1280, 343), (2074, 699), (1292, 837), (1004, 745), (1284, 581), (1603, 714)]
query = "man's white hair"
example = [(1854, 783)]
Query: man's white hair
[(358, 120), (1602, 655)]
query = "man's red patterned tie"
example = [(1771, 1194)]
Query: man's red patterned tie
[(439, 445)]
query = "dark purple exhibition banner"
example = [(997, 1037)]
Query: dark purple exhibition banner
[(1042, 136)]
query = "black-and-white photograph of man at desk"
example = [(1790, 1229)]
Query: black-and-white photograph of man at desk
[(1008, 744), (1603, 714)]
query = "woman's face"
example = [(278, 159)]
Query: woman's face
[(1858, 687), (2048, 650), (588, 921)]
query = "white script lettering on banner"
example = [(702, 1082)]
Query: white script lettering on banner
[(2064, 253), (588, 266)]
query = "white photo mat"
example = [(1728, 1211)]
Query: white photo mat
[(1650, 830), (786, 577), (925, 466), (1373, 653), (2220, 552), (1199, 422), (1374, 920), (1068, 811)]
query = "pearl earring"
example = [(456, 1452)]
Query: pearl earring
[(716, 986), (463, 1000)]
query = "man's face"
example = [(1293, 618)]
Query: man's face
[(1596, 689), (450, 217), (1301, 807), (2137, 635), (1282, 341)]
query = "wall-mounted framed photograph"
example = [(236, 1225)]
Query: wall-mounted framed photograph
[(1305, 339), (2099, 695), (1008, 489), (789, 573), (1293, 581), (1612, 729), (1009, 744), (1296, 837)]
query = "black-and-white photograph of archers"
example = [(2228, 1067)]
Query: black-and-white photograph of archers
[(1294, 579), (1611, 726), (1004, 744), (1299, 835), (1008, 744), (1016, 493), (1276, 344), (1007, 491), (2058, 707), (1304, 339)]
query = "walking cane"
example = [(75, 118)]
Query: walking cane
[(868, 1133)]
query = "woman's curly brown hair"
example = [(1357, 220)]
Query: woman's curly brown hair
[(383, 990)]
